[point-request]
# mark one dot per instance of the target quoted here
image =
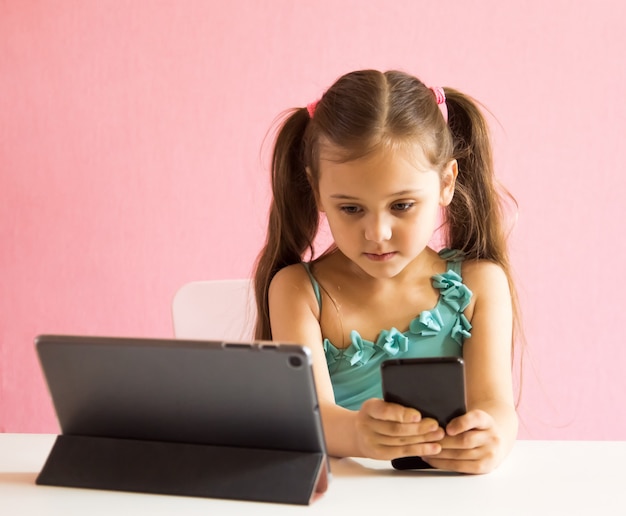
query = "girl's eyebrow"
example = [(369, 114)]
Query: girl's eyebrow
[(395, 194)]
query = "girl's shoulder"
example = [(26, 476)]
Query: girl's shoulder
[(479, 272), (292, 284), (475, 273), (291, 276), (487, 281)]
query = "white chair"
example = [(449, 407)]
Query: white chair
[(215, 310)]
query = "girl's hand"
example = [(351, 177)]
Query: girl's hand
[(387, 431), (472, 445)]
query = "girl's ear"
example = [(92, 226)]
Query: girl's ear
[(316, 193), (448, 182)]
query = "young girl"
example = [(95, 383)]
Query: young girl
[(383, 156)]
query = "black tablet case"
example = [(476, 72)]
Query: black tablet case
[(223, 420)]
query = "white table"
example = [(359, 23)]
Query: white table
[(539, 477)]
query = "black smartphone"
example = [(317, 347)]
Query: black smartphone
[(434, 386)]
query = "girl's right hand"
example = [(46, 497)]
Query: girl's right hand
[(388, 431)]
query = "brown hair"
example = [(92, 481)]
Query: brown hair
[(360, 112)]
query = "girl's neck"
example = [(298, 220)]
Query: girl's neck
[(421, 268)]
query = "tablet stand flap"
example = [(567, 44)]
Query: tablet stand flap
[(183, 469)]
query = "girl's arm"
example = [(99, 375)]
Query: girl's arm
[(379, 430), (478, 441)]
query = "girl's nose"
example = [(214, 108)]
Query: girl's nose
[(378, 229)]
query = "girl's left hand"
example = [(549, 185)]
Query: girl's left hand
[(472, 445)]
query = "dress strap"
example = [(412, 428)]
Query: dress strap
[(316, 285), (454, 266), (454, 258)]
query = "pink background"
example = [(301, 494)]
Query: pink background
[(131, 162)]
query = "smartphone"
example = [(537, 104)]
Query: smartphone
[(434, 386)]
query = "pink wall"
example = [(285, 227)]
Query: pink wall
[(130, 163)]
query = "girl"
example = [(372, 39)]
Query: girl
[(383, 156)]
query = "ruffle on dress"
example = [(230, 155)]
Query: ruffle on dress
[(452, 292)]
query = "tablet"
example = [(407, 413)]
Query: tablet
[(258, 395), (228, 395)]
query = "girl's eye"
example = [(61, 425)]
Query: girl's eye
[(350, 210), (403, 206)]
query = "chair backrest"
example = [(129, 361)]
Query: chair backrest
[(215, 310)]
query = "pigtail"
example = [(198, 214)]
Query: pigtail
[(474, 217), (293, 214)]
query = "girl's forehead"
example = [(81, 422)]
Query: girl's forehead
[(381, 155), (378, 171), (381, 158)]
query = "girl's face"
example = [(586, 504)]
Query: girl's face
[(383, 209)]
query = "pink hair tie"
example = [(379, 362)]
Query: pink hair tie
[(440, 97), (311, 108)]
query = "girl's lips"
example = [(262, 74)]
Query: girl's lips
[(380, 257)]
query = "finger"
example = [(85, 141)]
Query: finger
[(466, 440), (395, 429), (457, 453), (411, 439), (413, 450), (387, 447), (477, 461), (472, 420), (383, 410)]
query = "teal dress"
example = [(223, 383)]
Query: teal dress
[(355, 370)]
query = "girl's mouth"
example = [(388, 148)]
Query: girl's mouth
[(383, 257)]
